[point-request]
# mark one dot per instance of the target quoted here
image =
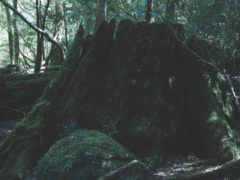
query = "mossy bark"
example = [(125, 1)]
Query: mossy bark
[(23, 148), (21, 92), (207, 110), (54, 57), (136, 88)]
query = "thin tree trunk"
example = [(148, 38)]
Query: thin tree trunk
[(43, 52), (16, 36), (100, 12), (39, 45), (41, 37), (53, 57), (65, 25), (89, 20), (235, 99), (10, 35), (41, 26), (149, 11)]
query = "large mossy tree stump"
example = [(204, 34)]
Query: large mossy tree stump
[(135, 88)]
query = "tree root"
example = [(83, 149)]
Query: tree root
[(112, 174), (228, 170)]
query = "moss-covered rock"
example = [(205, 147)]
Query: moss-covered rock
[(87, 155)]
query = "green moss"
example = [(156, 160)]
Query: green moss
[(131, 88), (32, 127), (86, 154), (21, 93), (208, 109), (124, 84)]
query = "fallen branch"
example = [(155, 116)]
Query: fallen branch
[(14, 110), (112, 174), (228, 170)]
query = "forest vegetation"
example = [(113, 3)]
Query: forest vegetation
[(120, 89)]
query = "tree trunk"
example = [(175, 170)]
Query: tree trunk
[(65, 26), (149, 11), (57, 90), (34, 27), (39, 45), (31, 87), (54, 55), (16, 36), (132, 87), (42, 27), (10, 35), (100, 12), (43, 52), (89, 20)]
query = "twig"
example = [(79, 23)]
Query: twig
[(119, 170), (14, 110)]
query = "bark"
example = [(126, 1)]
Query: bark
[(54, 56), (39, 45), (41, 26), (114, 82), (53, 92), (31, 87), (41, 39), (149, 11), (43, 52), (16, 36), (89, 21), (2, 82), (45, 34), (170, 9), (65, 26), (10, 35), (235, 99), (100, 12)]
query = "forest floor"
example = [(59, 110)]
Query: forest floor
[(181, 165), (175, 166)]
